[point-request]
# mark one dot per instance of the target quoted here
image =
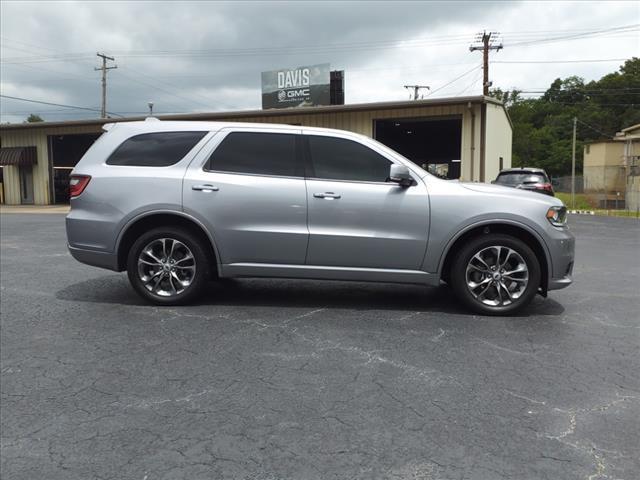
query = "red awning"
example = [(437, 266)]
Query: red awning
[(20, 156)]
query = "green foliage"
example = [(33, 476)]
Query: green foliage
[(34, 118), (542, 128), (583, 202)]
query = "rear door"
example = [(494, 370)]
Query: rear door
[(356, 217), (248, 187)]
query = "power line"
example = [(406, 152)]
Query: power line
[(315, 48), (624, 28), (472, 84), (122, 74), (564, 61), (594, 128), (454, 80), (55, 104)]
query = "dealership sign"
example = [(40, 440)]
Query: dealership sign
[(296, 87)]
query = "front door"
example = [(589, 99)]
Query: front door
[(356, 217), (249, 188), (26, 185)]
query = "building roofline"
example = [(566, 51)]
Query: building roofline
[(212, 116), (596, 142), (630, 128)]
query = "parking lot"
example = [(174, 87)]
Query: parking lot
[(279, 379)]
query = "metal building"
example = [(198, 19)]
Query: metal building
[(464, 137)]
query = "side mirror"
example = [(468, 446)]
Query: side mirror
[(400, 174)]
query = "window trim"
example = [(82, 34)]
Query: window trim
[(204, 138), (297, 154)]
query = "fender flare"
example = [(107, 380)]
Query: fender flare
[(132, 221), (489, 222)]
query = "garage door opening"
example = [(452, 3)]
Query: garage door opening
[(66, 152), (434, 144)]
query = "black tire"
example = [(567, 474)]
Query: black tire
[(458, 275), (198, 279)]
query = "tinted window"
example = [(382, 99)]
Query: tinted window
[(257, 153), (155, 149), (520, 178), (341, 159)]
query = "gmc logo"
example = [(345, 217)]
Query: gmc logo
[(302, 92)]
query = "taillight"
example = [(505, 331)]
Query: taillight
[(77, 184), (543, 186)]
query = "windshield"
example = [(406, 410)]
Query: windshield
[(519, 178)]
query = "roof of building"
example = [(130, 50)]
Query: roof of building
[(631, 128), (629, 133), (265, 113)]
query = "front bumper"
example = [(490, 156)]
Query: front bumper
[(561, 243), (558, 283), (94, 258)]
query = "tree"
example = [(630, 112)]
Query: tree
[(33, 118), (542, 127)]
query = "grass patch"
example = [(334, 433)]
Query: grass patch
[(618, 213), (582, 202)]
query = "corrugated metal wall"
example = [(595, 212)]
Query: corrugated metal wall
[(498, 142), (42, 169), (356, 121), (11, 174)]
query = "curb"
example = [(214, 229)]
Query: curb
[(32, 209), (581, 212)]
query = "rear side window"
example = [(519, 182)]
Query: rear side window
[(159, 149), (257, 153), (342, 159)]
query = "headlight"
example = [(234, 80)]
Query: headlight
[(557, 216)]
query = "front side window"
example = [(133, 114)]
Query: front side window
[(258, 153), (341, 159), (159, 149)]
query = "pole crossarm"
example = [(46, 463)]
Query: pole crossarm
[(486, 40)]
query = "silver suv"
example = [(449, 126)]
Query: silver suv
[(177, 204)]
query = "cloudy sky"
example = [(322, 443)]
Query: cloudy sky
[(207, 56)]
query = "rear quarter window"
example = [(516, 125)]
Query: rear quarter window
[(159, 149)]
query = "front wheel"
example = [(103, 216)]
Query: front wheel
[(168, 266), (495, 274)]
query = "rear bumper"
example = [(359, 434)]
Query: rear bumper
[(95, 258)]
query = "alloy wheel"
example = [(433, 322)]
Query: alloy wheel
[(166, 267), (497, 276)]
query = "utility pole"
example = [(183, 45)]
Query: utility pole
[(104, 68), (487, 44), (573, 165), (416, 88)]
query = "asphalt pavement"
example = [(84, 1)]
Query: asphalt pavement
[(283, 379)]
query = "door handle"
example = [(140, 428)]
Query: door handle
[(327, 195), (205, 188)]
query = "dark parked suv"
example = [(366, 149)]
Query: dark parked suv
[(532, 179)]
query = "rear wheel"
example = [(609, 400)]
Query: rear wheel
[(168, 266), (495, 274)]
